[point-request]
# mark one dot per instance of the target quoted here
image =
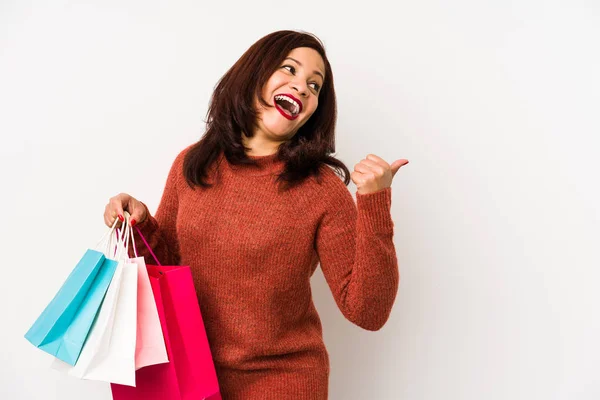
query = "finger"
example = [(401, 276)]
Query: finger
[(137, 213), (362, 168), (378, 160), (125, 202), (107, 220), (354, 176), (396, 165), (118, 225), (116, 209), (119, 204), (373, 167), (358, 178), (109, 215)]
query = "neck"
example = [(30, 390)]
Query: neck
[(265, 165), (259, 146)]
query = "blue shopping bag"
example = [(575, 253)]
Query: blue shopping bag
[(63, 326)]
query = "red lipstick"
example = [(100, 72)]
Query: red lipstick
[(284, 112)]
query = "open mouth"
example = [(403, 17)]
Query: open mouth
[(288, 106)]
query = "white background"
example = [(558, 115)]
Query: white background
[(495, 104)]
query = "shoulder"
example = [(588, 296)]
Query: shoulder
[(176, 173), (182, 153), (178, 162), (333, 188), (331, 178)]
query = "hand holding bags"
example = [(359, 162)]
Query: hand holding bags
[(117, 320), (63, 326)]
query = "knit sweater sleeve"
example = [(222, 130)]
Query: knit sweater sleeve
[(356, 251), (160, 229)]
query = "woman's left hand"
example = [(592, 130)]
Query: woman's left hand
[(373, 174)]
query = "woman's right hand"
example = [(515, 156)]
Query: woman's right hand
[(124, 202)]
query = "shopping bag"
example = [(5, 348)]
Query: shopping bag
[(104, 321), (109, 352), (150, 342), (190, 372), (61, 329)]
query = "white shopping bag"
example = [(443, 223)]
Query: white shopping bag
[(109, 351)]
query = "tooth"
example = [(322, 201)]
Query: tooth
[(296, 105)]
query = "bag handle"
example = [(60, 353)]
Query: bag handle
[(147, 246), (131, 238), (108, 234), (122, 246)]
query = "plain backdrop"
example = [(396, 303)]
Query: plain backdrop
[(495, 103)]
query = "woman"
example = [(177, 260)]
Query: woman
[(272, 211)]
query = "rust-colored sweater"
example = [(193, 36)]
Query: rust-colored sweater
[(252, 253)]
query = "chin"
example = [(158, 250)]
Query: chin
[(285, 135)]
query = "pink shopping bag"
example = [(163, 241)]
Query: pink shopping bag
[(150, 343), (190, 372)]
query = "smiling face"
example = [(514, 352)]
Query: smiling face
[(293, 90)]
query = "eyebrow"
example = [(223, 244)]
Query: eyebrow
[(300, 64)]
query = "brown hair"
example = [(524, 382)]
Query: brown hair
[(232, 112)]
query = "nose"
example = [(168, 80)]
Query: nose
[(300, 87)]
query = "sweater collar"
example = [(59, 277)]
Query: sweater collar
[(266, 165)]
